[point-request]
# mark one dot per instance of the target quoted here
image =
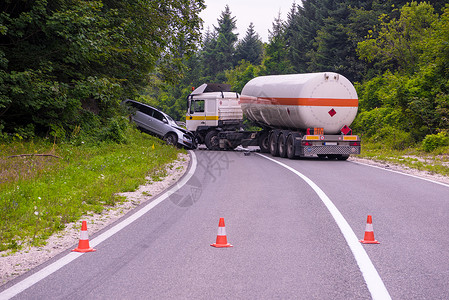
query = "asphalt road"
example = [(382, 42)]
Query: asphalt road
[(287, 241)]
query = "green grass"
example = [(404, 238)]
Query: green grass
[(39, 195), (436, 162)]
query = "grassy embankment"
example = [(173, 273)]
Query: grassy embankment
[(40, 194)]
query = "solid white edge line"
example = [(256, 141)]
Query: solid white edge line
[(38, 276), (402, 173), (372, 279)]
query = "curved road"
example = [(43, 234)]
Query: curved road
[(287, 232)]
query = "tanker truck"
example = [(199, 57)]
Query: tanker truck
[(301, 115)]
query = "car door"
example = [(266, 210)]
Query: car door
[(140, 116), (159, 123), (144, 117)]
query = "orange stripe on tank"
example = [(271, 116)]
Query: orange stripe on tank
[(301, 101)]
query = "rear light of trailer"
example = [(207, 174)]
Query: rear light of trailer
[(354, 144), (306, 143)]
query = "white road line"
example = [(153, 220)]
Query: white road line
[(50, 269), (402, 173), (369, 272)]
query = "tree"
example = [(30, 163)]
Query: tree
[(225, 47), (276, 61), (241, 74), (250, 48), (411, 53), (70, 62), (331, 43), (302, 25), (208, 54), (399, 43)]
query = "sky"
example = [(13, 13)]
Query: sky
[(261, 12)]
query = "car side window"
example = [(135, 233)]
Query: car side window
[(158, 115), (146, 110), (141, 108), (134, 105)]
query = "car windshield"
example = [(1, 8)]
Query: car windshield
[(171, 121)]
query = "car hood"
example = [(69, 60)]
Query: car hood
[(183, 130)]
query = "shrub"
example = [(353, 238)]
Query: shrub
[(433, 141), (394, 138), (3, 135), (115, 130)]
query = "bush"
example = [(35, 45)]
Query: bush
[(3, 135), (394, 138), (433, 141), (371, 122), (115, 130)]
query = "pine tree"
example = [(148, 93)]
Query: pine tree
[(225, 47), (208, 54), (301, 27), (332, 47), (276, 61), (250, 48)]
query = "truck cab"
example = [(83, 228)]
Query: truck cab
[(213, 108)]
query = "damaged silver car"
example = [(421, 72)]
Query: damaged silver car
[(158, 123)]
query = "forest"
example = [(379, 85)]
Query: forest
[(66, 65)]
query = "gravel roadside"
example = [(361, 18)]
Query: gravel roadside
[(401, 169)]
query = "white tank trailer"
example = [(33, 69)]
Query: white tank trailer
[(301, 115)]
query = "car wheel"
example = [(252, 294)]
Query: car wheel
[(171, 139)]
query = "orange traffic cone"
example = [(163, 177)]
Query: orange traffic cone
[(83, 245), (369, 233), (222, 241)]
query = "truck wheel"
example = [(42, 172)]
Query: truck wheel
[(264, 142), (282, 146), (290, 147), (211, 140), (274, 150), (199, 137)]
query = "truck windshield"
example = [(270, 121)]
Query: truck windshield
[(196, 106)]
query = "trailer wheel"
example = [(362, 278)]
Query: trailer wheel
[(211, 140), (274, 150), (282, 146), (290, 146), (264, 142)]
